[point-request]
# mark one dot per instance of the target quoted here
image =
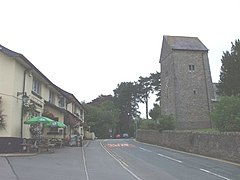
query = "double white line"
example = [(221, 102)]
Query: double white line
[(121, 162)]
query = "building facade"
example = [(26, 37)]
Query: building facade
[(186, 84), (25, 92)]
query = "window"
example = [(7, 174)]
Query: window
[(36, 86), (61, 102), (51, 97), (191, 68), (82, 114), (76, 110)]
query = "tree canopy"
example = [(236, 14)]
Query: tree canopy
[(147, 86), (226, 115), (155, 113), (117, 113), (229, 83), (126, 100), (102, 115)]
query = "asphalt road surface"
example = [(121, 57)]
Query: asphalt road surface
[(117, 159)]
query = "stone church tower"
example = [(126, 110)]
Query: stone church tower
[(186, 84)]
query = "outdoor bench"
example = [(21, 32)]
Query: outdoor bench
[(46, 145), (28, 145)]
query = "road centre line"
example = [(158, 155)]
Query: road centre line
[(145, 149), (167, 157), (164, 156), (187, 153), (84, 163), (209, 172), (123, 164), (204, 170), (115, 156)]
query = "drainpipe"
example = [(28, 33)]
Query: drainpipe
[(24, 94)]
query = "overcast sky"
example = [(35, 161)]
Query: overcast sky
[(88, 47)]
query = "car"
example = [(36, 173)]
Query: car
[(125, 135), (118, 136)]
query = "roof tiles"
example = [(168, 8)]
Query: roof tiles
[(185, 43)]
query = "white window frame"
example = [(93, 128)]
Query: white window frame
[(61, 102), (51, 97), (36, 86)]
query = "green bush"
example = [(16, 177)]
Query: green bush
[(148, 124), (226, 114), (165, 122)]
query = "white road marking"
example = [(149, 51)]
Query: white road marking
[(123, 164), (167, 157), (145, 149), (209, 172), (84, 163), (188, 153), (119, 145)]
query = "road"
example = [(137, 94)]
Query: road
[(117, 159)]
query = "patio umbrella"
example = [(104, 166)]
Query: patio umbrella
[(61, 125), (56, 124), (39, 119)]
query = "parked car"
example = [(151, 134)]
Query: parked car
[(125, 135), (118, 136)]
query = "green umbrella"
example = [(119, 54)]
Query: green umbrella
[(39, 119), (56, 124), (61, 125)]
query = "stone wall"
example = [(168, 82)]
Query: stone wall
[(219, 145)]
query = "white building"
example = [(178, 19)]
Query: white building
[(26, 92)]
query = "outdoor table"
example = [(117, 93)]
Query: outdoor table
[(57, 141), (46, 144)]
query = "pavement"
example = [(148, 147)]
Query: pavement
[(6, 170), (18, 154)]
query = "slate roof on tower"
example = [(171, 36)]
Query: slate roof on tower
[(185, 43)]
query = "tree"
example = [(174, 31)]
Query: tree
[(100, 99), (155, 113), (144, 89), (226, 114), (229, 83), (126, 100), (102, 115), (156, 84), (146, 86)]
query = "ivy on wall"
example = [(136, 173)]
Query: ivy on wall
[(2, 121)]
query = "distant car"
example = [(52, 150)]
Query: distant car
[(125, 135), (118, 136)]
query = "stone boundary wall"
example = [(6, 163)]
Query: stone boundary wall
[(218, 145)]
